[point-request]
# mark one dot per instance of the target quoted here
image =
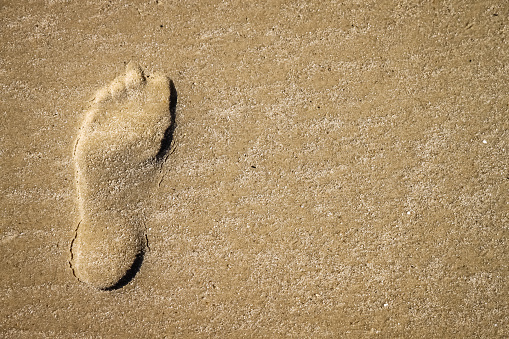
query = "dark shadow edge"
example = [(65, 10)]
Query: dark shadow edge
[(168, 134), (130, 274)]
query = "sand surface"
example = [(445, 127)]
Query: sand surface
[(338, 169)]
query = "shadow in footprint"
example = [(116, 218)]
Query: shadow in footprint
[(129, 275), (168, 134)]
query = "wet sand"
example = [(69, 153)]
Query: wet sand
[(336, 169)]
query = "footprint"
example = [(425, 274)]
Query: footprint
[(118, 156)]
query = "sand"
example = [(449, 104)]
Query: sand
[(336, 169)]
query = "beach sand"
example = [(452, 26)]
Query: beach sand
[(336, 169)]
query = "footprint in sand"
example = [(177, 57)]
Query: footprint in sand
[(118, 156)]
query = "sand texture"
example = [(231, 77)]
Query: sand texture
[(313, 169)]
